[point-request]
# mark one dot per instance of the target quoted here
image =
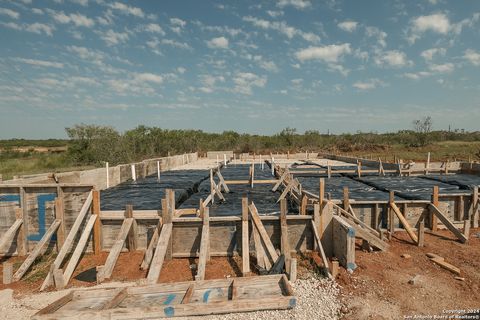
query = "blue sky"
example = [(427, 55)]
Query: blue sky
[(248, 66)]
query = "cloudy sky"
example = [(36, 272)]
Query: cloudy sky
[(248, 66)]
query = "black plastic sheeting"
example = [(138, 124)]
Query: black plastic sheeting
[(412, 188), (260, 194), (334, 186), (464, 181), (147, 193)]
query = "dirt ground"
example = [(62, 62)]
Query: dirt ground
[(379, 288)]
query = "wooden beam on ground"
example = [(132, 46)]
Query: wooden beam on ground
[(7, 239), (72, 264), (404, 222), (245, 239), (450, 226), (204, 247), (263, 233), (36, 251), (121, 294), (441, 262), (68, 242), (106, 271), (132, 233), (159, 256), (97, 228), (52, 307), (188, 294)]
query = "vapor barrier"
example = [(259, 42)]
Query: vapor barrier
[(464, 181), (147, 193)]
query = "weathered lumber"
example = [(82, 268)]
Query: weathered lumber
[(204, 247), (263, 233), (147, 258), (106, 271), (7, 272), (222, 181), (60, 215), (404, 222), (97, 228), (245, 242), (292, 184), (293, 269), (445, 265), (72, 264), (159, 256), (121, 294), (68, 242), (448, 223), (279, 182), (285, 246), (54, 306), (320, 249), (7, 238), (278, 265), (259, 250), (188, 294), (348, 215), (132, 234), (36, 251), (370, 238)]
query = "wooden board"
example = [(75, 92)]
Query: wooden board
[(186, 299)]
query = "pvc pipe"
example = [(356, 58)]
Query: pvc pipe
[(108, 176), (134, 174), (158, 170)]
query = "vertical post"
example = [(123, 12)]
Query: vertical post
[(158, 170), (225, 159), (134, 173), (21, 236), (245, 239), (433, 217), (293, 269), (421, 233), (212, 187), (376, 217), (97, 227), (59, 215), (261, 162), (273, 166), (167, 217), (206, 222), (23, 203), (303, 205), (218, 163), (285, 247), (316, 222), (132, 234), (475, 206), (329, 171), (391, 215), (253, 174), (427, 164), (346, 199), (359, 169), (7, 272), (107, 169)]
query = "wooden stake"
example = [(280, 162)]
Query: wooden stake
[(433, 217), (7, 272), (285, 246), (97, 227), (245, 239), (132, 232), (421, 233)]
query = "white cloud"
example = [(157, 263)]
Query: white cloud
[(39, 28), (369, 84), (181, 70), (245, 81), (348, 26), (178, 22), (283, 28), (393, 58), (442, 68), (81, 2), (472, 56), (438, 23), (428, 54), (7, 12), (125, 9), (218, 43), (148, 77), (112, 38), (331, 53), (377, 33), (298, 4), (87, 54), (154, 28), (78, 20), (37, 11), (41, 63), (176, 44), (275, 14), (209, 82)]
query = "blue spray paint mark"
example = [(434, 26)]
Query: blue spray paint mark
[(41, 200), (10, 198), (206, 295), (351, 232), (292, 302), (169, 298), (351, 266), (169, 311)]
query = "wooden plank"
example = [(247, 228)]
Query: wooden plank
[(222, 181), (68, 241), (320, 249), (59, 215), (293, 269), (151, 247), (36, 251), (107, 269), (121, 294), (476, 208), (348, 215), (7, 238), (159, 256), (133, 232), (285, 246), (72, 264), (278, 265), (433, 217), (280, 181), (54, 306), (404, 222), (259, 251), (245, 239), (25, 226), (421, 233), (440, 261), (204, 244), (443, 218), (97, 228), (263, 233), (188, 294), (21, 234), (370, 238)]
